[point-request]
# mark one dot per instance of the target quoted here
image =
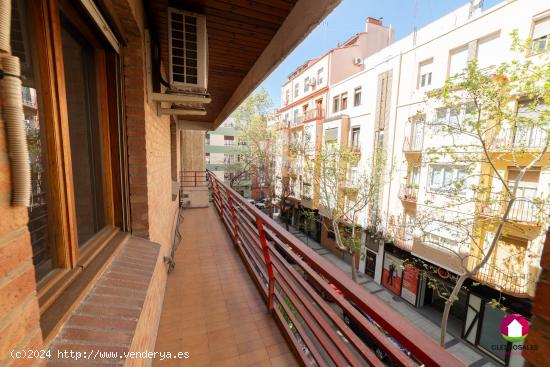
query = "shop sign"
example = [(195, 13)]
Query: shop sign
[(392, 273), (410, 284)]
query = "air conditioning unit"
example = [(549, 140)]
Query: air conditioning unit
[(188, 50), (357, 61)]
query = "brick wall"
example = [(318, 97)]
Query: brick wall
[(539, 332), (19, 314)]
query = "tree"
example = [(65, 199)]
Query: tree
[(257, 151), (492, 127), (344, 192)]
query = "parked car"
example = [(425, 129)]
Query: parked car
[(251, 201), (358, 330), (324, 295), (260, 205)]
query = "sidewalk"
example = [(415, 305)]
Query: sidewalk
[(430, 325)]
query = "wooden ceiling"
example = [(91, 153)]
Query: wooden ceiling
[(238, 32)]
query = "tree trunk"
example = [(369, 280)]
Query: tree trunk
[(353, 267), (448, 304)]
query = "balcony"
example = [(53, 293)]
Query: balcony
[(523, 211), (525, 138), (408, 193), (518, 285), (314, 114), (412, 146), (211, 308), (524, 220), (354, 329), (307, 116)]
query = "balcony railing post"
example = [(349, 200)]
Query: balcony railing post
[(269, 266), (234, 217)]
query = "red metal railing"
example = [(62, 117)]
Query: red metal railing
[(292, 277), (193, 179)]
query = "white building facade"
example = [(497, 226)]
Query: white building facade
[(383, 105)]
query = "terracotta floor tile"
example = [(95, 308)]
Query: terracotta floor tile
[(212, 308), (277, 349), (229, 362), (284, 360), (250, 346), (254, 358)]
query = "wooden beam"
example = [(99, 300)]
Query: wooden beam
[(303, 18)]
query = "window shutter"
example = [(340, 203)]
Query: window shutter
[(542, 28), (458, 61)]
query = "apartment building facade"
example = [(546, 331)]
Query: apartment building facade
[(305, 103), (384, 106), (223, 155)]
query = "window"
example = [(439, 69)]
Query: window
[(450, 117), (287, 96), (84, 130), (354, 176), (320, 76), (458, 61), (355, 137), (357, 97), (447, 179), (295, 116), (228, 141), (336, 104), (207, 138), (229, 158), (487, 48), (527, 134), (541, 32), (344, 101), (528, 185), (296, 89), (77, 208), (207, 158), (331, 135), (440, 241), (414, 178), (306, 85), (425, 73)]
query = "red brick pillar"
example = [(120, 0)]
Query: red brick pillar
[(134, 76), (539, 332)]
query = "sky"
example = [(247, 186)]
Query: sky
[(349, 18)]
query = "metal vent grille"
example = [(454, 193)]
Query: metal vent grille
[(183, 44)]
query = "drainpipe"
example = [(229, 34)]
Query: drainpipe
[(393, 137), (12, 112)]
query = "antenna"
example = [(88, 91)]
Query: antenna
[(415, 11)]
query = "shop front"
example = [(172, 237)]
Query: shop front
[(392, 269), (483, 326)]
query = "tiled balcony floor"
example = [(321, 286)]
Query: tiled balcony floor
[(212, 308)]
